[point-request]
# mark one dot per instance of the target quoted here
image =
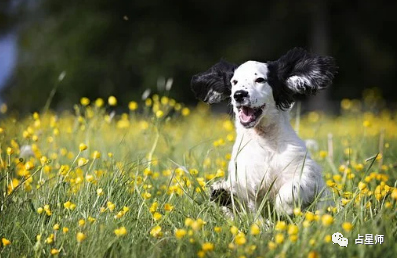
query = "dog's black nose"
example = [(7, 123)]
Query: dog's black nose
[(240, 95)]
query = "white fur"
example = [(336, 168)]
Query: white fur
[(269, 152), (297, 83), (213, 96)]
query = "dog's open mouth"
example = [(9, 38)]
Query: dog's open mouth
[(249, 116)]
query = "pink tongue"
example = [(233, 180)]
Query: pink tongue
[(247, 114)]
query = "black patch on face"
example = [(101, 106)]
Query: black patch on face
[(319, 71), (283, 96), (214, 84)]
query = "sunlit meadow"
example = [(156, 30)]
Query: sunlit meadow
[(95, 182)]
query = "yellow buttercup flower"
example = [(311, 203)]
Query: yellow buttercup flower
[(306, 224), (293, 238), (157, 216), (180, 233), (148, 102), (234, 230), (55, 251), (309, 216), (156, 231), (9, 151), (359, 167), (367, 123), (217, 229), (168, 207), (346, 104), (327, 220), (188, 222), (112, 101), (56, 227), (90, 178), (146, 195), (153, 207), (201, 254), (207, 247), (99, 192), (240, 239), (271, 245), (96, 155), (111, 206), (297, 212), (394, 194), (313, 254), (132, 106), (80, 237), (63, 170), (279, 238), (43, 160), (47, 210), (185, 111), (82, 162), (281, 226), (5, 241), (362, 186), (85, 101), (293, 229), (50, 239), (197, 224), (29, 165), (159, 114), (99, 102), (83, 147), (164, 100), (81, 222), (36, 116), (323, 154), (122, 231), (69, 205), (347, 226), (255, 230)]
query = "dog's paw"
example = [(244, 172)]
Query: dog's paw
[(220, 195)]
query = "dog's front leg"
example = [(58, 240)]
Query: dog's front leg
[(221, 193), (230, 198), (287, 198)]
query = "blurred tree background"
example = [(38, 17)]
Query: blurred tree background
[(121, 48)]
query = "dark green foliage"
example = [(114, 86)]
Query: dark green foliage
[(122, 47)]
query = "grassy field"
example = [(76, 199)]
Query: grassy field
[(92, 183)]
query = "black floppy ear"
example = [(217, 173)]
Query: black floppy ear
[(299, 73), (214, 85)]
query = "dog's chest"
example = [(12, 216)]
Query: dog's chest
[(253, 163)]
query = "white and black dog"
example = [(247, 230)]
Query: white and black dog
[(268, 159)]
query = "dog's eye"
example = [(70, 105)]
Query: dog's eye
[(234, 82), (260, 80)]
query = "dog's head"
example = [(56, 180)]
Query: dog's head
[(257, 89)]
